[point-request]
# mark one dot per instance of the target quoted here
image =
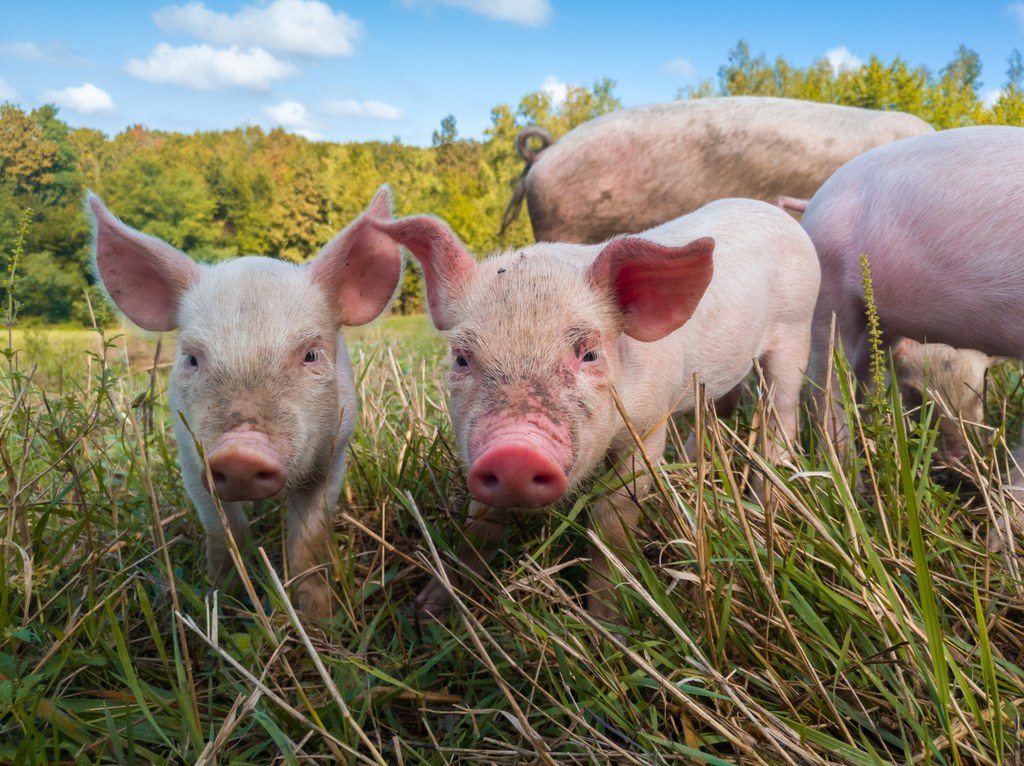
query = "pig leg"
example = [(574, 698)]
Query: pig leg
[(1001, 538), (219, 566), (615, 518), (724, 407), (484, 530), (309, 540), (784, 373)]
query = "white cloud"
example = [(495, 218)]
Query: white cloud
[(1017, 9), (300, 27), (205, 68), (529, 13), (85, 99), (991, 97), (50, 53), (24, 51), (7, 93), (555, 88), (294, 117), (376, 110), (840, 58), (679, 68)]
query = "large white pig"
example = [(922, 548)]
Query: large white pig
[(541, 336), (262, 378), (635, 168), (938, 218)]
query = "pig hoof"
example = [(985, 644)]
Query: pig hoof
[(434, 601)]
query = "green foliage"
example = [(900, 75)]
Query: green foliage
[(247, 191)]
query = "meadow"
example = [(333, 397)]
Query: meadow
[(853, 617)]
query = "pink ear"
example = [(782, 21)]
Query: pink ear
[(144, 276), (360, 266), (657, 287), (447, 265)]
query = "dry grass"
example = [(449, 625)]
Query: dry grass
[(854, 617)]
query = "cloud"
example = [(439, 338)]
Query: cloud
[(841, 59), (7, 93), (374, 110), (294, 117), (85, 99), (529, 13), (299, 27), (991, 97), (679, 68), (1016, 9), (205, 68), (556, 89), (51, 53)]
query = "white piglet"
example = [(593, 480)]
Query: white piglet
[(262, 379), (540, 337)]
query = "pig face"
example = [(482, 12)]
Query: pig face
[(536, 347), (259, 374)]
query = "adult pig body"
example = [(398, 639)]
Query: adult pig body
[(262, 379), (540, 336), (937, 217), (633, 169)]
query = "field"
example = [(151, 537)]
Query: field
[(854, 617)]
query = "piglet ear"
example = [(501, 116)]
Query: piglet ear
[(656, 287), (447, 265), (144, 276), (360, 267)]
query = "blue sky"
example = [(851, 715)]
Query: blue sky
[(355, 70)]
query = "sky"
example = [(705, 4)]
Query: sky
[(377, 70)]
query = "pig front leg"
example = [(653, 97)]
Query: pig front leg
[(219, 565), (309, 539), (484, 530), (615, 518)]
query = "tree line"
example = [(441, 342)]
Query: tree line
[(224, 193)]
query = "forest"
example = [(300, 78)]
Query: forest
[(247, 190)]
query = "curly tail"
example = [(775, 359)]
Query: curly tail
[(529, 154)]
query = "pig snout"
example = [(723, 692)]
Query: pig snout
[(245, 466), (520, 467)]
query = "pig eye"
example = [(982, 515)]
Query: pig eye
[(312, 356), (590, 356), (461, 361), (191, 361)]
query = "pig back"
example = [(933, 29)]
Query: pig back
[(937, 217), (630, 170), (765, 284)]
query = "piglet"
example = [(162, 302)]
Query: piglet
[(540, 337), (262, 379)]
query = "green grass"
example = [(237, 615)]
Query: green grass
[(855, 617)]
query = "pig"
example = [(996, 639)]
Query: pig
[(936, 216), (540, 337), (262, 380), (954, 380), (635, 168)]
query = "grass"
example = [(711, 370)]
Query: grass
[(855, 617)]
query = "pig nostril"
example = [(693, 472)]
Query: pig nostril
[(266, 476), (490, 481)]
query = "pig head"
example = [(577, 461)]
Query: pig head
[(262, 384)]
